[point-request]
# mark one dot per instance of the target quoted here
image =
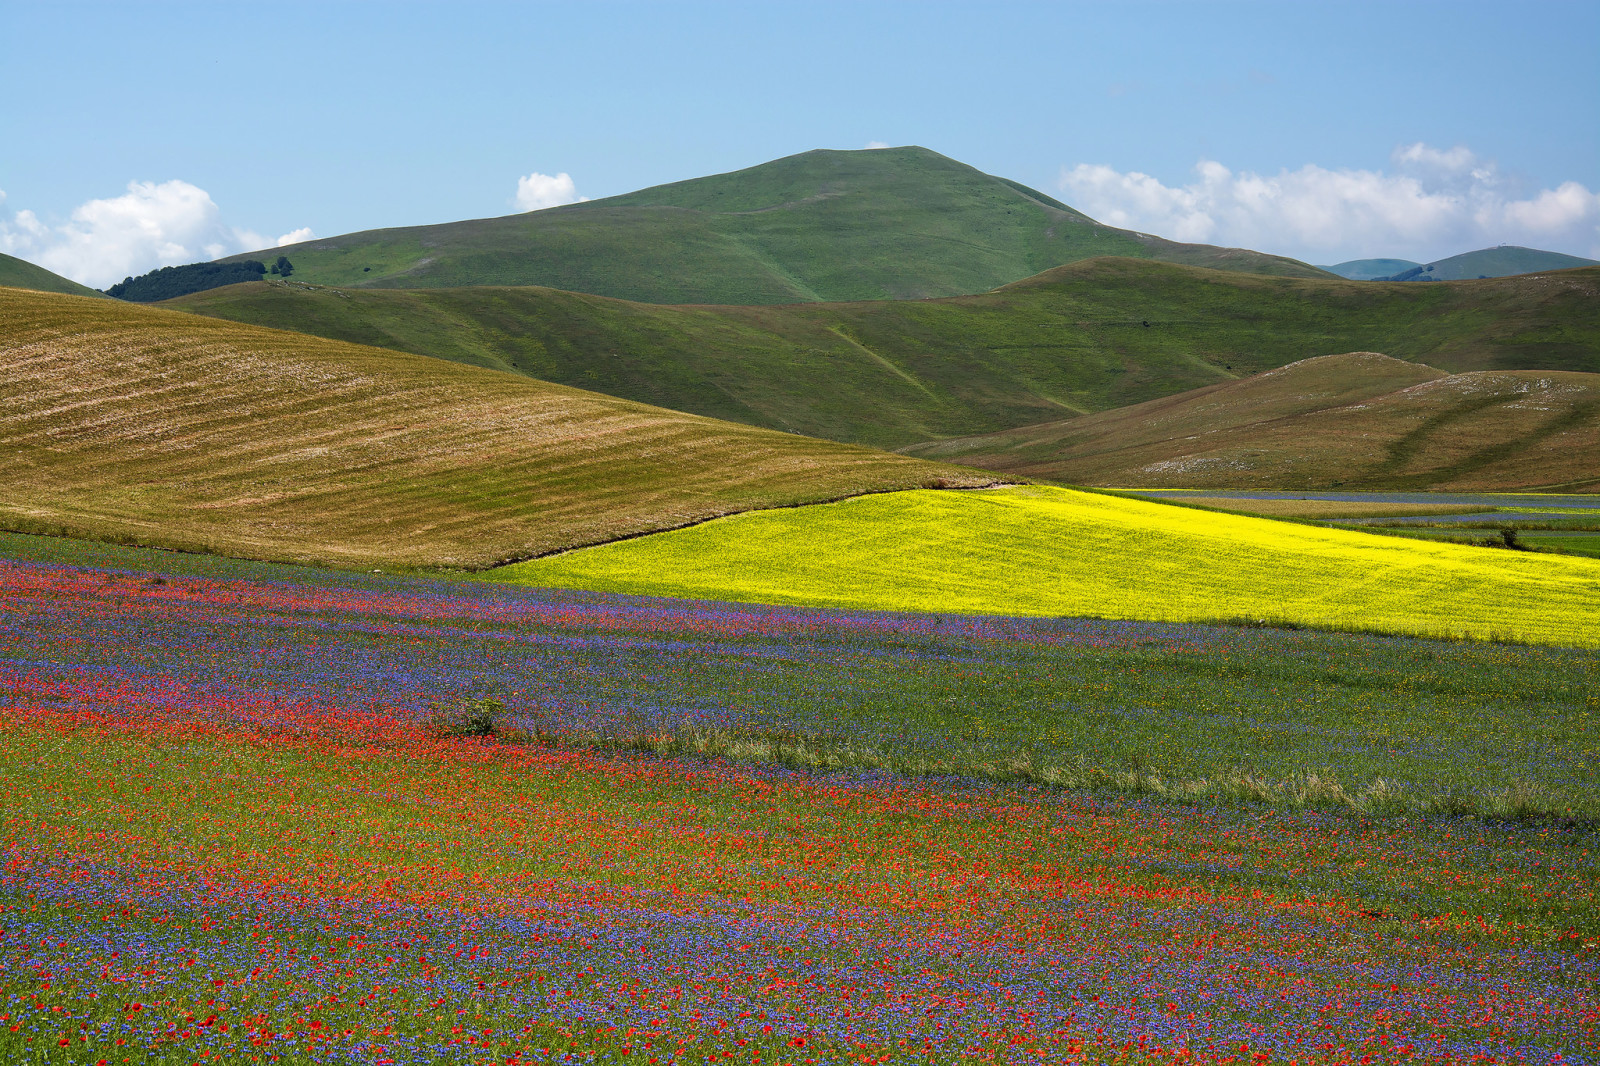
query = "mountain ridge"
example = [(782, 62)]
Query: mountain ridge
[(1502, 261), (819, 226)]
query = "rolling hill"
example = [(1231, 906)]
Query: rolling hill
[(20, 274), (126, 423), (1086, 337), (1371, 269), (1505, 261), (1355, 421), (1052, 551), (901, 223)]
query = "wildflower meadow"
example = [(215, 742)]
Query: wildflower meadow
[(238, 827)]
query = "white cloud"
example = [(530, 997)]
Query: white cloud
[(539, 191), (151, 225), (1431, 203), (248, 240), (874, 145)]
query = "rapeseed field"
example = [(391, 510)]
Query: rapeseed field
[(1049, 551)]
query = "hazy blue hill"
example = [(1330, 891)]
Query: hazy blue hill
[(1371, 269), (899, 223), (20, 274), (1502, 262)]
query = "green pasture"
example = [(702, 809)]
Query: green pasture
[(1542, 537), (902, 223), (1052, 551), (1079, 339), (21, 274)]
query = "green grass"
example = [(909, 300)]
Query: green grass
[(1579, 541), (1060, 552), (21, 274), (146, 426), (903, 223), (896, 373)]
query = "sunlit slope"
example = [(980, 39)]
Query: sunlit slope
[(20, 274), (1359, 420), (900, 223), (1082, 338), (129, 423), (1052, 551)]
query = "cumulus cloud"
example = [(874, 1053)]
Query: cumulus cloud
[(151, 225), (1431, 203), (874, 145), (539, 191)]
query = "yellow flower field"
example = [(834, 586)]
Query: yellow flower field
[(1050, 551)]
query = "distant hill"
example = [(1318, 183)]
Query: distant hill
[(1354, 421), (134, 424), (1371, 269), (1502, 262), (1085, 337), (899, 223), (21, 274)]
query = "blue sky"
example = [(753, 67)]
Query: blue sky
[(140, 134)]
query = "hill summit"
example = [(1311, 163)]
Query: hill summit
[(896, 223)]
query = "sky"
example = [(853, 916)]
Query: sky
[(140, 135)]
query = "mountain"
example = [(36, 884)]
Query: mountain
[(898, 223), (1504, 261), (20, 274), (1355, 421), (1086, 337), (141, 425), (1371, 269)]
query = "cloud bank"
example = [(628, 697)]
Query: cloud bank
[(151, 225), (1431, 203), (539, 191)]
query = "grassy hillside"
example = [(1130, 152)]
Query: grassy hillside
[(902, 223), (1360, 420), (20, 274), (1047, 551), (127, 423), (1504, 261), (1086, 337)]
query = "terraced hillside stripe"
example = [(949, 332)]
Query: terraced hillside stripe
[(149, 426), (1050, 551), (1356, 421)]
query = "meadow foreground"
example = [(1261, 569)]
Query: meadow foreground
[(238, 829)]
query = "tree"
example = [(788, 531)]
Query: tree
[(283, 268)]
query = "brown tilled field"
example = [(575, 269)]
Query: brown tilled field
[(1355, 421), (154, 427)]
